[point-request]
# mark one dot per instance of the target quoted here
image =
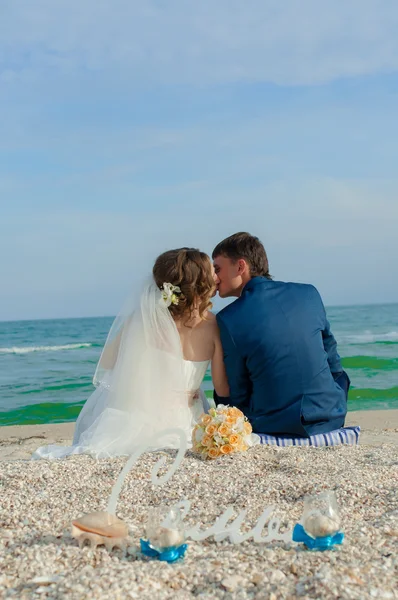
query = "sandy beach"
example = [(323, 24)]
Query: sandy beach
[(39, 558)]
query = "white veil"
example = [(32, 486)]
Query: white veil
[(140, 384)]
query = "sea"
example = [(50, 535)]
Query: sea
[(46, 366)]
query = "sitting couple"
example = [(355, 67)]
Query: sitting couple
[(271, 351)]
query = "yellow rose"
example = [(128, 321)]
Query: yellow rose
[(235, 412), (211, 429), (226, 449), (235, 439), (247, 427), (213, 452), (224, 430), (207, 440), (206, 419), (230, 419)]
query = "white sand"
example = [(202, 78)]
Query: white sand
[(39, 499)]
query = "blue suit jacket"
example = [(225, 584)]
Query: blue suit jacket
[(281, 359)]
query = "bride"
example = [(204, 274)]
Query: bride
[(153, 363)]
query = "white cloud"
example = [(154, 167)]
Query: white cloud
[(284, 42)]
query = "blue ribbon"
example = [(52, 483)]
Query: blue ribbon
[(170, 555), (320, 543)]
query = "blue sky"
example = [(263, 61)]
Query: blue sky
[(132, 127)]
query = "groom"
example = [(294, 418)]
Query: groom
[(281, 358)]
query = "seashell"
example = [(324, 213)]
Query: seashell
[(45, 580), (321, 525), (102, 523), (99, 528), (166, 538)]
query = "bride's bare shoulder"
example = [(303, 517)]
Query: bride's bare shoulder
[(210, 316), (212, 322)]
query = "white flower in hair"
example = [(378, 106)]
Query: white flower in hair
[(169, 292)]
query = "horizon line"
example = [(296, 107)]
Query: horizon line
[(329, 306)]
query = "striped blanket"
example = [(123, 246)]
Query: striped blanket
[(345, 435)]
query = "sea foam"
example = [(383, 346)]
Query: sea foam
[(370, 338), (27, 349)]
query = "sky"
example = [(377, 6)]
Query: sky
[(131, 127)]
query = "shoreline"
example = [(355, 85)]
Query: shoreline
[(19, 441)]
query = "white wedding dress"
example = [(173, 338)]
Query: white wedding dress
[(144, 386)]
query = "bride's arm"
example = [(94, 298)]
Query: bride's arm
[(218, 372)]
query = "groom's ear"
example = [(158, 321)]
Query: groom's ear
[(243, 267)]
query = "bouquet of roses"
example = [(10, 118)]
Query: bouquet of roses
[(224, 430)]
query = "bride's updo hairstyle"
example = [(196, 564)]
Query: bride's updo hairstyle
[(190, 270)]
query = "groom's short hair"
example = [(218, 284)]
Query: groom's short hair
[(246, 246)]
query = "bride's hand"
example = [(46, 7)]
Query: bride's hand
[(193, 395)]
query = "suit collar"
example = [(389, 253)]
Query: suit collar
[(253, 282)]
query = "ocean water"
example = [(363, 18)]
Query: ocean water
[(46, 367)]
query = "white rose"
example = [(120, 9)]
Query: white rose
[(239, 424), (168, 295)]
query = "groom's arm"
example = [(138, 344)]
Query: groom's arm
[(238, 376), (330, 345), (329, 341)]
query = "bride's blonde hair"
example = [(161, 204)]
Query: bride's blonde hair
[(190, 270)]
